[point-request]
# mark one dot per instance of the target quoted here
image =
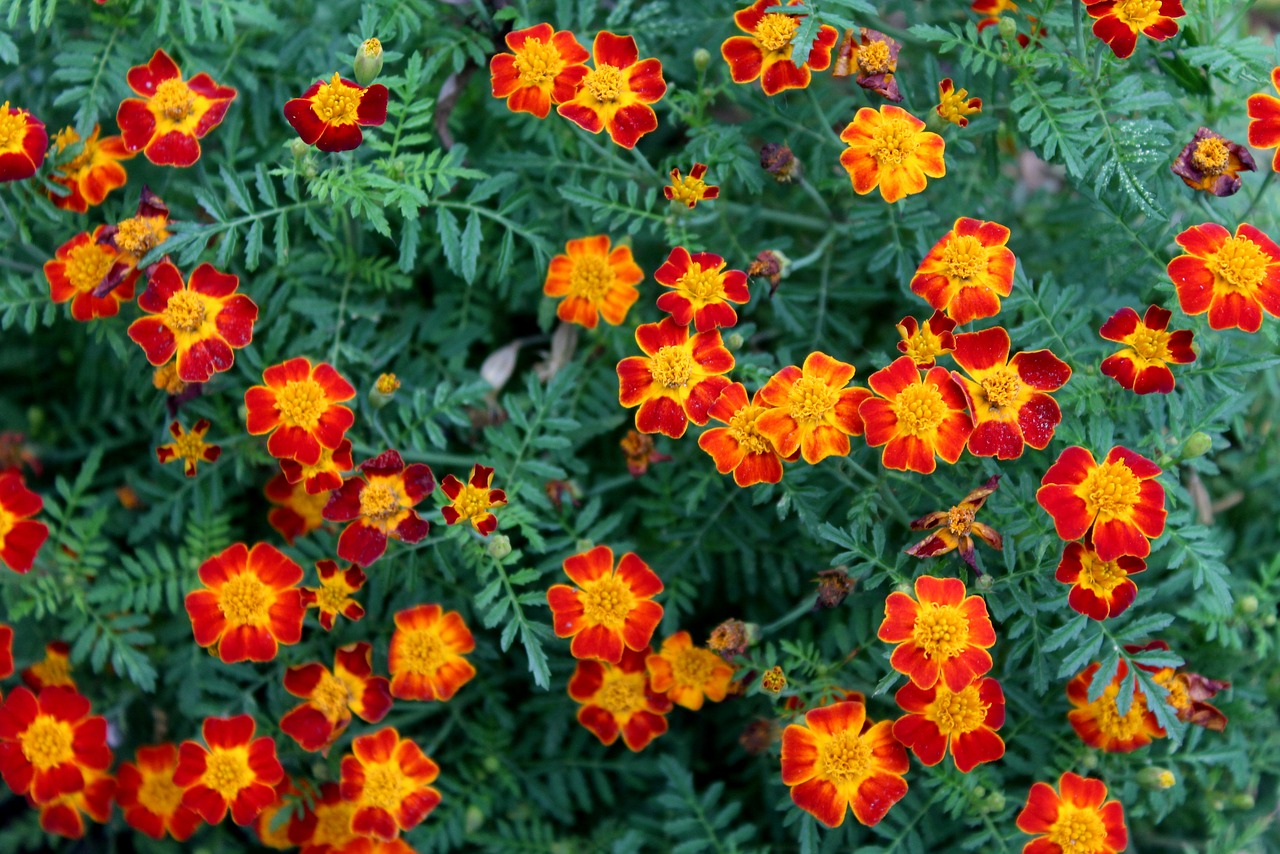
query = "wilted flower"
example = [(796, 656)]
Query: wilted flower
[(834, 585), (780, 162), (1213, 163), (957, 527)]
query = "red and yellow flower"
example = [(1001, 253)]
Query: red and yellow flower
[(839, 759), (324, 475), (1118, 504), (1118, 22), (250, 603), (915, 419), (379, 505), (1235, 279), (78, 267), (611, 610), (618, 698), (172, 116), (967, 272), (1099, 722), (191, 447), (237, 772), (298, 512), (20, 536), (938, 719), (274, 829), (764, 53), (1143, 365), (941, 634), (330, 115), (740, 447), (132, 239), (688, 674), (332, 697), (890, 149), (812, 410), (690, 189), (924, 343), (545, 67), (426, 657), (956, 527), (955, 105), (49, 744), (333, 596), (23, 143), (594, 281), (1264, 119), (473, 500), (299, 407), (52, 671), (616, 94), (701, 289), (1099, 588), (678, 381), (151, 801), (1213, 163), (6, 651), (389, 779), (64, 815), (1075, 822), (91, 174)]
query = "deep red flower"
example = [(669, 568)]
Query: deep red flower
[(78, 267), (91, 174), (916, 419), (20, 536), (618, 698), (1143, 365), (963, 721), (1077, 822), (1118, 504), (330, 115), (941, 634), (677, 380), (611, 610), (473, 500), (1099, 588), (545, 67), (299, 407), (332, 697), (1118, 22), (764, 53), (237, 772), (389, 780), (173, 115), (616, 94), (151, 801), (50, 744), (701, 289), (250, 603), (379, 505)]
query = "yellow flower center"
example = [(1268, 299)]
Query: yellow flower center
[(672, 366), (423, 651), (371, 48), (1240, 265), (693, 666), (960, 520), (1110, 491), (379, 500), (332, 597), (964, 257), (68, 137), (13, 129), (941, 631), (330, 696), (893, 141), (185, 311), (607, 602), (228, 771), (55, 669), (775, 30), (958, 713), (333, 824), (385, 786), (591, 278), (873, 57), (919, 409), (688, 189), (87, 265), (138, 235), (923, 347), (538, 63), (1078, 830), (1150, 344), (622, 694), (811, 400), (1211, 156), (701, 286), (1002, 387), (174, 98), (1138, 14), (47, 743), (471, 502), (159, 795), (1099, 576), (1111, 723), (166, 379), (189, 446), (1179, 696), (245, 601), (301, 403), (387, 384), (605, 83), (742, 427), (336, 103), (845, 758)]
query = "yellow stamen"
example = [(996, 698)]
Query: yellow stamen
[(874, 58), (1078, 830), (941, 631), (158, 794), (1240, 265), (330, 696), (1110, 491), (622, 694), (605, 84), (1137, 15), (138, 235), (1100, 577), (693, 666), (811, 400), (591, 278), (957, 713), (301, 403), (964, 257), (893, 141), (336, 103), (1003, 387), (775, 31), (672, 366), (919, 409), (845, 759), (87, 265), (701, 286), (742, 428), (422, 651), (174, 99), (13, 129), (960, 520), (472, 501), (538, 63), (1211, 156), (48, 742), (607, 601), (379, 500), (245, 600), (1151, 345), (227, 772), (185, 311)]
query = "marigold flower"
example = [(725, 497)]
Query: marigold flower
[(890, 149), (389, 780), (20, 536), (812, 410), (941, 634), (6, 651), (732, 638), (1099, 722), (740, 447), (874, 61), (326, 474), (640, 453), (838, 758), (330, 115), (91, 174), (23, 143), (473, 500), (702, 289), (611, 609), (249, 604), (173, 115), (191, 447), (967, 272), (379, 505), (924, 343), (1264, 115), (333, 697), (150, 800), (678, 382), (333, 596), (963, 721), (594, 281), (1213, 163), (1118, 22), (915, 419), (132, 239), (956, 527), (1188, 692), (1076, 821), (274, 830), (426, 654), (1118, 503), (64, 815), (298, 512), (299, 407), (1143, 365), (49, 744), (77, 268), (619, 697), (955, 105), (1099, 588), (545, 67), (764, 53), (690, 189), (326, 826), (53, 671), (688, 674), (773, 680), (237, 772), (616, 94), (1235, 279)]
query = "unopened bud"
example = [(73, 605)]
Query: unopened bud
[(1008, 28), (780, 162), (994, 802), (473, 818), (1197, 444), (1249, 604), (1269, 620), (984, 582), (773, 680), (298, 149), (734, 341), (1243, 801), (1090, 760), (499, 546), (1156, 778), (701, 58), (383, 390), (368, 63)]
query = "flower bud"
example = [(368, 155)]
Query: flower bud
[(732, 638), (1243, 801), (734, 341), (984, 582), (780, 162), (772, 265), (1197, 444), (993, 803), (473, 818), (298, 149), (1156, 778), (773, 680), (1269, 620), (1008, 28), (833, 586), (383, 390), (499, 546), (1089, 760), (368, 61), (701, 58), (1249, 604)]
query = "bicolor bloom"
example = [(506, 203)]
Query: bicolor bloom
[(1118, 503), (299, 407), (812, 409), (151, 801), (740, 447), (1118, 22), (274, 829), (1235, 279), (1264, 119), (23, 143), (838, 759), (688, 674), (173, 115), (473, 500), (1149, 348), (324, 475), (20, 535), (967, 272), (332, 697), (64, 815), (545, 67), (78, 267), (326, 826), (236, 771), (191, 447), (426, 656), (1080, 820), (1008, 398), (379, 505), (1099, 588), (619, 698), (50, 744), (92, 173), (942, 635), (924, 343), (1099, 722), (916, 419), (938, 719), (677, 380), (250, 603), (955, 105), (690, 189), (873, 61), (616, 94), (764, 53), (132, 239), (389, 779), (330, 115), (956, 527), (611, 610), (1213, 163), (594, 281), (297, 512), (52, 671), (701, 289), (890, 149), (334, 595)]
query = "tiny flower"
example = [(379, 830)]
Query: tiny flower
[(764, 53), (324, 475), (1235, 279), (955, 105), (53, 671), (1077, 822), (964, 722), (236, 772), (915, 419), (1264, 115), (688, 674), (1099, 722), (967, 272), (619, 698), (616, 94), (49, 744), (389, 780), (379, 505), (1118, 22), (473, 500), (941, 634), (773, 680), (64, 815), (956, 527), (702, 289), (812, 409), (594, 281), (1213, 163), (1099, 588), (924, 343), (132, 239), (299, 407), (384, 389), (23, 143), (333, 596), (1156, 778), (250, 603), (1143, 365), (426, 655), (834, 586), (876, 58), (333, 697), (91, 174), (298, 512), (1118, 503), (191, 447), (780, 162), (640, 453), (78, 267), (150, 800), (545, 67), (690, 189), (330, 115), (678, 381), (740, 447), (20, 536), (890, 149), (173, 115), (611, 610)]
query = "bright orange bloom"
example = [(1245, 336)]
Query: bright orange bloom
[(333, 596), (473, 500), (151, 801), (955, 105), (132, 239), (6, 651), (53, 671), (594, 282), (1118, 22), (956, 527), (839, 759), (1119, 500), (23, 143), (616, 94), (91, 174), (78, 267), (1143, 365), (426, 654), (1235, 279), (389, 780), (611, 610), (333, 697), (1099, 588), (545, 67), (64, 815), (678, 382), (379, 505), (1264, 115), (915, 419), (741, 448), (237, 772), (812, 410), (299, 407), (764, 53), (250, 603), (938, 719), (690, 189), (191, 447), (941, 634), (619, 698), (967, 272), (1100, 724), (701, 289), (688, 674), (924, 343), (890, 149), (173, 115), (49, 744), (298, 511), (1078, 822), (325, 474), (20, 536), (330, 115)]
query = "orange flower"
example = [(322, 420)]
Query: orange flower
[(1118, 22), (741, 448), (23, 143), (611, 610), (191, 447), (333, 697), (890, 149), (1100, 724), (1099, 588), (173, 115), (132, 239), (78, 267), (1264, 115), (955, 105), (326, 827), (379, 505), (49, 745), (91, 174), (54, 671), (473, 500), (619, 698), (941, 634), (544, 67), (298, 512), (701, 289), (690, 189), (1119, 500), (324, 475), (236, 772), (1078, 822), (688, 674), (251, 603), (426, 654), (330, 115), (967, 272), (812, 410), (1143, 365), (963, 721), (594, 282), (764, 53), (333, 596), (839, 759), (389, 780), (616, 94), (915, 419), (956, 527), (299, 407), (20, 536), (679, 381), (1235, 279), (151, 802), (924, 343)]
